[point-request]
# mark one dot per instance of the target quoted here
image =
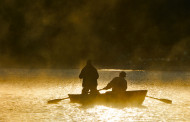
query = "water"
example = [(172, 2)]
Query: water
[(24, 95)]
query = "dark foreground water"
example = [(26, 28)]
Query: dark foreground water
[(24, 95)]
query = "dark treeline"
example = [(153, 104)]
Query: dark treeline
[(139, 34)]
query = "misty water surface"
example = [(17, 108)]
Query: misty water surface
[(24, 95)]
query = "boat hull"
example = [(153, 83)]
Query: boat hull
[(131, 98)]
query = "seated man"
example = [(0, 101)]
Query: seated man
[(118, 84)]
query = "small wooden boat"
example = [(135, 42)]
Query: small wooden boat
[(131, 98)]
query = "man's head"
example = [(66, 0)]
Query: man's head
[(122, 74), (89, 62)]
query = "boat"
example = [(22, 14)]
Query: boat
[(129, 98)]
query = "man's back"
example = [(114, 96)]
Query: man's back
[(89, 72), (118, 84), (89, 75)]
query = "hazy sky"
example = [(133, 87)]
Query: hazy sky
[(63, 33)]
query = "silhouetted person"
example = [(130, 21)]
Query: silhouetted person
[(89, 74), (118, 84)]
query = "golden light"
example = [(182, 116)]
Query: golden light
[(113, 114), (127, 70)]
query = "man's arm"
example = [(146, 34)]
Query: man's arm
[(126, 85), (110, 84), (81, 75), (97, 75)]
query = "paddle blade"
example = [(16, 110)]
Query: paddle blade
[(55, 101), (166, 101), (163, 100)]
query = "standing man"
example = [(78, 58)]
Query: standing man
[(118, 84), (89, 74)]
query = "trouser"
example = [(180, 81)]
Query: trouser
[(93, 90)]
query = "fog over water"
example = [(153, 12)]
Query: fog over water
[(24, 95), (44, 43), (123, 34)]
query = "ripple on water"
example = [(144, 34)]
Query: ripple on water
[(25, 99)]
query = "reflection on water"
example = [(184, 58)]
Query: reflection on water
[(24, 95)]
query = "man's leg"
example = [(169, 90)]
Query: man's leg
[(85, 90), (93, 90)]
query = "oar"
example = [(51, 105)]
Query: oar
[(163, 100), (101, 89), (56, 100)]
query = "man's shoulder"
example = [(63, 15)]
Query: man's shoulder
[(116, 78), (119, 79)]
